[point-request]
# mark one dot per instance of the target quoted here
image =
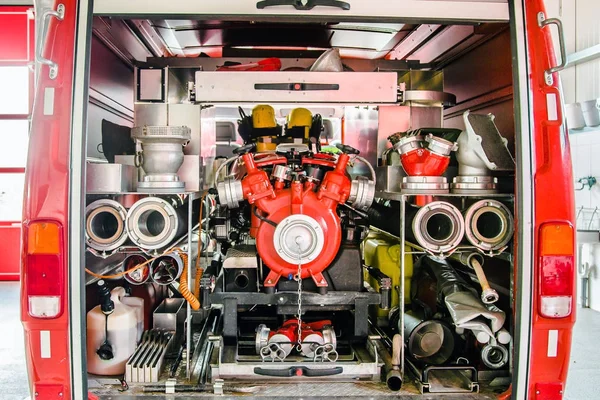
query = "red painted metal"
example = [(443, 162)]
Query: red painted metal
[(268, 64), (10, 246), (423, 162), (290, 329), (552, 175), (47, 198)]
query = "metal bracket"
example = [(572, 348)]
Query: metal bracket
[(59, 14), (542, 22)]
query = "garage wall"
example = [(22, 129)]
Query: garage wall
[(111, 94), (582, 30)]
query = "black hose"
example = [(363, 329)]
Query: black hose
[(264, 219)]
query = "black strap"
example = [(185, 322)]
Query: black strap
[(297, 4), (298, 371)]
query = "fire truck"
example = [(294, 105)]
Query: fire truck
[(297, 198)]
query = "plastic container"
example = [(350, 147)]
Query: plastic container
[(574, 116), (122, 336), (591, 112), (136, 303)]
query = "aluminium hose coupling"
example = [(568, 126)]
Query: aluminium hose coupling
[(437, 227), (105, 228), (489, 225), (153, 223)]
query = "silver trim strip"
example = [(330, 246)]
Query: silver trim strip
[(45, 345), (77, 201), (524, 200), (446, 11)]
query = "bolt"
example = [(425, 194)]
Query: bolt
[(269, 281), (323, 281), (537, 392)]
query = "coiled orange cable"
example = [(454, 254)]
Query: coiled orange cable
[(183, 285)]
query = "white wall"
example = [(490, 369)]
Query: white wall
[(585, 154), (580, 83), (582, 30)]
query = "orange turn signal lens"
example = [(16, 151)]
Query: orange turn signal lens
[(557, 238), (43, 238)]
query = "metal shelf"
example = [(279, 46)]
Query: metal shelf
[(587, 129), (583, 56), (403, 197), (194, 194)]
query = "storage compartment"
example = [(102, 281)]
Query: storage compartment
[(341, 220)]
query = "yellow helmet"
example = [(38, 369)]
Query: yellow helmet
[(299, 117), (263, 116)]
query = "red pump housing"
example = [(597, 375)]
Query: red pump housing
[(301, 215)]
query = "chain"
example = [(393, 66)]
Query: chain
[(299, 316)]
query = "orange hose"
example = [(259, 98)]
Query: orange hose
[(183, 285), (199, 271)]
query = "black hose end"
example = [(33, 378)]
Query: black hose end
[(106, 304), (394, 380)]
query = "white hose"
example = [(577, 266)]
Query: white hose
[(364, 160), (227, 162)]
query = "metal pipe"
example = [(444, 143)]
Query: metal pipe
[(393, 376), (428, 341), (140, 275), (166, 269)]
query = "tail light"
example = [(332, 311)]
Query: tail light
[(556, 263), (44, 274)]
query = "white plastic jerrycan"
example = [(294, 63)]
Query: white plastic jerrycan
[(138, 304), (112, 330)]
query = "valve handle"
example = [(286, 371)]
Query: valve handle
[(347, 149), (245, 149)]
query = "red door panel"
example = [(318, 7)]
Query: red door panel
[(47, 199), (554, 203)]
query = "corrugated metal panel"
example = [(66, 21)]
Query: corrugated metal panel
[(587, 34)]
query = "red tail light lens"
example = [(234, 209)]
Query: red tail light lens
[(557, 270), (44, 270)]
